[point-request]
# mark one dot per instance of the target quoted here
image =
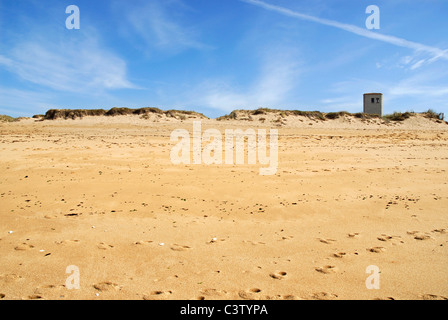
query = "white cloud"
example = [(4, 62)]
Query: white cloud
[(159, 25), (5, 61), (434, 52), (271, 87), (74, 66), (414, 87)]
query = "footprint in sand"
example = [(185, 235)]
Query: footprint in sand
[(178, 247), (254, 243), (339, 254), (324, 296), (391, 239), (283, 297), (376, 249), (278, 275), (441, 231), (419, 235), (2, 295), (24, 246), (141, 242), (215, 240), (9, 278), (49, 290), (104, 246), (433, 297), (213, 293), (67, 242), (47, 216), (326, 241), (158, 295), (353, 235), (327, 269), (251, 294), (107, 286)]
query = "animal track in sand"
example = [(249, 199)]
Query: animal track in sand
[(327, 269), (420, 235), (178, 247), (441, 231), (278, 275)]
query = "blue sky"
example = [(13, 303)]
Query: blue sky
[(214, 56)]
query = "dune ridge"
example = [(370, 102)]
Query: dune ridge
[(261, 117)]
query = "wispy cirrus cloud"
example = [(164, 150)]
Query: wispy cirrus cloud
[(158, 25), (425, 84), (279, 73), (79, 65), (434, 52)]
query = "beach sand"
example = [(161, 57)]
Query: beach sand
[(102, 195)]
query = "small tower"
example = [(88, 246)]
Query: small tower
[(373, 103)]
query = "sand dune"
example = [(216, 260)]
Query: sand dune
[(100, 193)]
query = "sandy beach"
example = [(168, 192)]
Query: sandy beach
[(101, 194)]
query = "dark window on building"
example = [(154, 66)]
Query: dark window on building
[(373, 100), (377, 100)]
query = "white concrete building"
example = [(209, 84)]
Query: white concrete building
[(373, 103)]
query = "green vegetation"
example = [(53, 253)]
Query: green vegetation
[(4, 118), (365, 116), (261, 111), (143, 112), (234, 115), (231, 116), (309, 114), (317, 115), (431, 114), (72, 114), (399, 116), (335, 115)]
